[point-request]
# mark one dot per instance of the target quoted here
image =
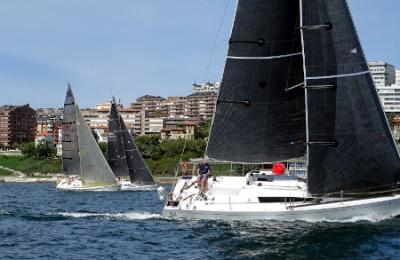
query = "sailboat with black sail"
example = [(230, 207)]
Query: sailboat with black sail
[(84, 164), (124, 157), (296, 86)]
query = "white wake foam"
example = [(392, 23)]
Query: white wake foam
[(123, 216), (355, 219), (3, 212)]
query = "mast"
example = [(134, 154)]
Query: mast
[(305, 84)]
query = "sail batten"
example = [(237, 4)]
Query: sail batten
[(257, 120)]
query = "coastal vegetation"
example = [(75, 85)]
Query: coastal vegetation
[(4, 172), (42, 150), (161, 156), (30, 165)]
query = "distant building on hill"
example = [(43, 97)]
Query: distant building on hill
[(17, 125), (48, 129), (387, 83), (383, 73), (201, 106), (206, 87), (398, 77)]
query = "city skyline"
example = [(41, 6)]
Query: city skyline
[(133, 48)]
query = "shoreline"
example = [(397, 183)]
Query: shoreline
[(160, 180)]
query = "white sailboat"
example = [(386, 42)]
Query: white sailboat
[(296, 86), (84, 165), (124, 157)]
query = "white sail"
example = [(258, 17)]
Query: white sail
[(94, 167)]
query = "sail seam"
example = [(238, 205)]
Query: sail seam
[(340, 75), (265, 58)]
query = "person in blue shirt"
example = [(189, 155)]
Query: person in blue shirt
[(203, 173)]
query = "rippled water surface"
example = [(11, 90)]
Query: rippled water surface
[(37, 222)]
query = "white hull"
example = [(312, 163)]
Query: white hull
[(77, 185), (128, 186), (231, 198), (376, 208)]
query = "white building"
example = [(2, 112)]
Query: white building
[(398, 77), (383, 73), (153, 126), (206, 87), (390, 98)]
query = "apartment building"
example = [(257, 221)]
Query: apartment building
[(17, 125), (383, 74)]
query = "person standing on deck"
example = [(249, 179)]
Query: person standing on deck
[(203, 172)]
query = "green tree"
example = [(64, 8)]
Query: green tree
[(104, 148), (149, 146), (28, 149), (45, 149), (204, 130), (95, 135)]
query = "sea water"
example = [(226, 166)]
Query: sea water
[(38, 222)]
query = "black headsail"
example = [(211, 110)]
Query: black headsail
[(70, 150), (350, 145), (138, 171), (260, 113), (116, 152)]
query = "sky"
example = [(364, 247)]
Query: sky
[(131, 48)]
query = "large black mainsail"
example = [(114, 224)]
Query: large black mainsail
[(260, 114), (350, 144), (116, 152), (70, 150), (138, 171), (296, 82)]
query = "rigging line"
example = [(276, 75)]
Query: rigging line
[(216, 41), (179, 163)]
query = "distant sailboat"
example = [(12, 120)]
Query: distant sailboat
[(296, 86), (124, 157), (84, 165)]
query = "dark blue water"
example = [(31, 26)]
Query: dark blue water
[(37, 222)]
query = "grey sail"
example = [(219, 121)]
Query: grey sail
[(116, 152), (350, 145), (94, 167), (260, 113), (138, 171), (70, 150)]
